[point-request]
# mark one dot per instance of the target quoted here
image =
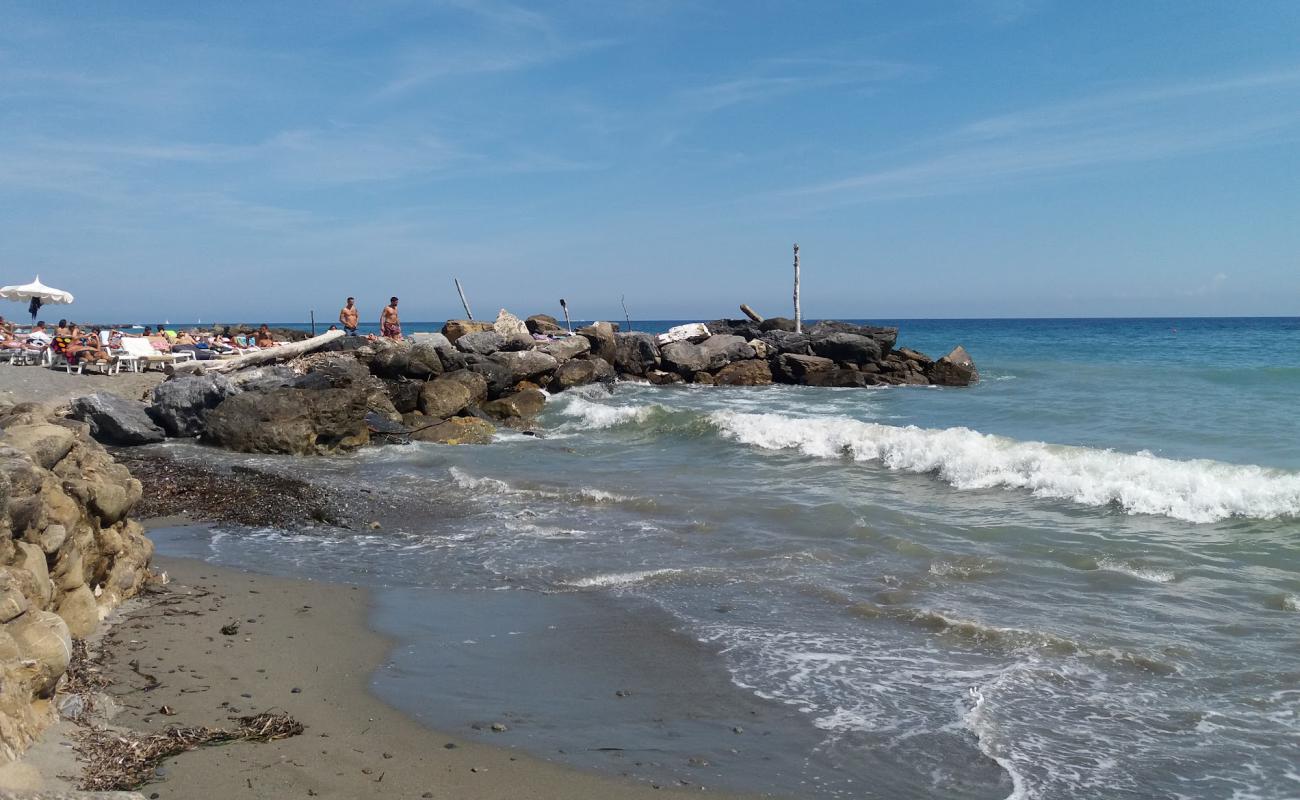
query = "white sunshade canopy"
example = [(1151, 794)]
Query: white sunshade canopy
[(27, 291)]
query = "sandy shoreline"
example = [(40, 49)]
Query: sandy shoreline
[(304, 648)]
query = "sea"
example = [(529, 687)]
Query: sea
[(1079, 578)]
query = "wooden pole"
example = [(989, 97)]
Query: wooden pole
[(798, 313), (565, 306), (626, 316), (468, 314), (313, 322)]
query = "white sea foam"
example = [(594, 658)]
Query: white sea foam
[(615, 580), (1142, 573), (987, 735), (1196, 491), (591, 415)]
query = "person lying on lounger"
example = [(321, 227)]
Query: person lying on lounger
[(82, 348), (264, 338)]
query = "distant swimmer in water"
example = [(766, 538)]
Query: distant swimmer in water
[(390, 326)]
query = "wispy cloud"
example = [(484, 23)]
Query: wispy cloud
[(1121, 126), (774, 78)]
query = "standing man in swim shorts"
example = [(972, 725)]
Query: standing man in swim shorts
[(390, 326), (348, 317)]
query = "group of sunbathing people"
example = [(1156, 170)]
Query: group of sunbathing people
[(97, 345)]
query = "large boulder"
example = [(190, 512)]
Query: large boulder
[(684, 358), (45, 443), (513, 330), (116, 420), (779, 341), (425, 360), (527, 365), (745, 328), (544, 324), (294, 421), (483, 343), (446, 397), (518, 409), (337, 369), (457, 430), (275, 376), (456, 328), (777, 324), (883, 337), (661, 378), (500, 379), (601, 336), (43, 639), (404, 395), (850, 347), (754, 372), (577, 372), (391, 359), (636, 353), (801, 369), (722, 349), (566, 348), (473, 381), (181, 405), (955, 369)]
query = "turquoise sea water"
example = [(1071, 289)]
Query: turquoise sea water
[(1079, 578)]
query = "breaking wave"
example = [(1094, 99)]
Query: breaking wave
[(1141, 483)]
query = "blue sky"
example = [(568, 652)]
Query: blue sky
[(955, 159)]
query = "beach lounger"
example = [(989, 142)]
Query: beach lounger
[(144, 354)]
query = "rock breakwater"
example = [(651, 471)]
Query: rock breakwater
[(458, 386)]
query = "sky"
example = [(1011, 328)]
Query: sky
[(965, 158)]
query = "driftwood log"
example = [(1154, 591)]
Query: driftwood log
[(749, 312), (267, 356)]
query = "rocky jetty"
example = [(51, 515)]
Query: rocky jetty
[(458, 386), (68, 552)]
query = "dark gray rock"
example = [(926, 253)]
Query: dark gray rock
[(776, 324), (338, 370), (390, 359), (544, 324), (272, 377), (601, 336), (294, 421), (405, 395), (181, 404), (884, 337), (722, 349), (566, 348), (684, 358), (779, 341), (116, 420), (635, 353), (498, 377), (801, 369), (526, 365), (425, 360), (955, 369), (482, 343), (850, 347)]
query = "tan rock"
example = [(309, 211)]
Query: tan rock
[(457, 430), (42, 637), (52, 538), (46, 444), (517, 408), (444, 397), (31, 559), (456, 328), (80, 611), (13, 601)]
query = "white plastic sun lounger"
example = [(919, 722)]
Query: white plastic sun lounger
[(140, 353)]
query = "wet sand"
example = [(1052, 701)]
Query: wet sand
[(304, 648)]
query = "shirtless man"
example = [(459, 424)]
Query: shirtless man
[(390, 327), (348, 317)]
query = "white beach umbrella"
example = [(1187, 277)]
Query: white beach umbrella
[(35, 293)]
